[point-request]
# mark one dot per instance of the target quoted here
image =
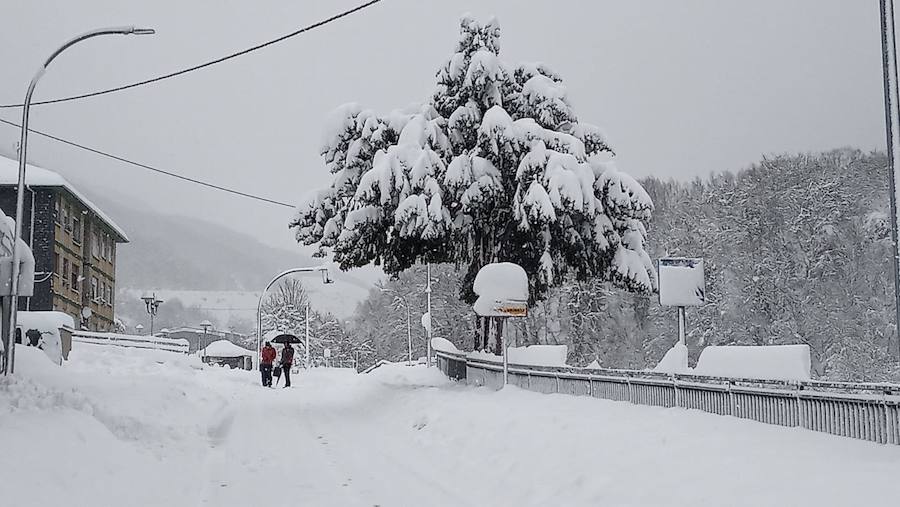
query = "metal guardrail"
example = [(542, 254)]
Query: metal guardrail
[(132, 341), (869, 411)]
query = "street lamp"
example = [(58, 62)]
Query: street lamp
[(205, 325), (23, 152), (152, 304), (325, 279), (402, 300)]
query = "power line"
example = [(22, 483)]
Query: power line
[(205, 64), (150, 168)]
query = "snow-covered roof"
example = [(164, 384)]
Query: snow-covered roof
[(224, 348), (40, 177)]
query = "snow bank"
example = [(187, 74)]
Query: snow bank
[(444, 345), (224, 348), (675, 360), (531, 355), (112, 426), (399, 374), (776, 362)]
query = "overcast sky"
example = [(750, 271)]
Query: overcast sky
[(682, 88)]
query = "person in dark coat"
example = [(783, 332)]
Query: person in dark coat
[(267, 357), (287, 360)]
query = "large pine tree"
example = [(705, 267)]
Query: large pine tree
[(494, 167)]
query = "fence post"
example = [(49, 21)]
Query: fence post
[(731, 406), (801, 417), (675, 386), (630, 395)]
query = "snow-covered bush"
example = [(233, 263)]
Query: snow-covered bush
[(495, 167)]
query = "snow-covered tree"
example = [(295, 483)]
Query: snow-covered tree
[(284, 308), (496, 166)]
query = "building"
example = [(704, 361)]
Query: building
[(225, 353), (74, 246)]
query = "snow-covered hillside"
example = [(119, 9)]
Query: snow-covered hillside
[(145, 428)]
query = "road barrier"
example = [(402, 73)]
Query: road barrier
[(867, 411), (132, 341)]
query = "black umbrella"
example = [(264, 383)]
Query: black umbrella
[(286, 338)]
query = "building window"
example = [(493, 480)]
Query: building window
[(95, 244), (108, 248), (65, 218), (56, 212), (65, 273), (94, 293), (76, 269), (76, 230)]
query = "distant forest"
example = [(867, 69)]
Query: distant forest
[(797, 250)]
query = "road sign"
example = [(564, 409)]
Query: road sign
[(501, 308), (681, 282)]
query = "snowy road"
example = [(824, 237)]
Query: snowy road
[(313, 445), (118, 427)]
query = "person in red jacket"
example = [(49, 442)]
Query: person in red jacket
[(267, 357)]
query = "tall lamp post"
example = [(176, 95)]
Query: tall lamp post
[(205, 325), (23, 156), (152, 304), (325, 279)]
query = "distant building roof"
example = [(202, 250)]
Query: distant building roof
[(224, 348), (40, 177)]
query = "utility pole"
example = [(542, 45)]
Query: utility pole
[(306, 320), (408, 335), (889, 73), (205, 325), (430, 320)]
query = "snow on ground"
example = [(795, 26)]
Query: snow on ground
[(137, 427)]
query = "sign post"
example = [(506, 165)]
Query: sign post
[(502, 290), (682, 283)]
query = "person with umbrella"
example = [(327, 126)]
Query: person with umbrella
[(287, 355)]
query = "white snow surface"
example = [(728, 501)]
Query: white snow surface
[(44, 321), (224, 348), (115, 427), (40, 177), (499, 282), (675, 360), (531, 355), (443, 345), (775, 362)]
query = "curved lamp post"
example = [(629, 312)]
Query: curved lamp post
[(325, 279), (23, 147)]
